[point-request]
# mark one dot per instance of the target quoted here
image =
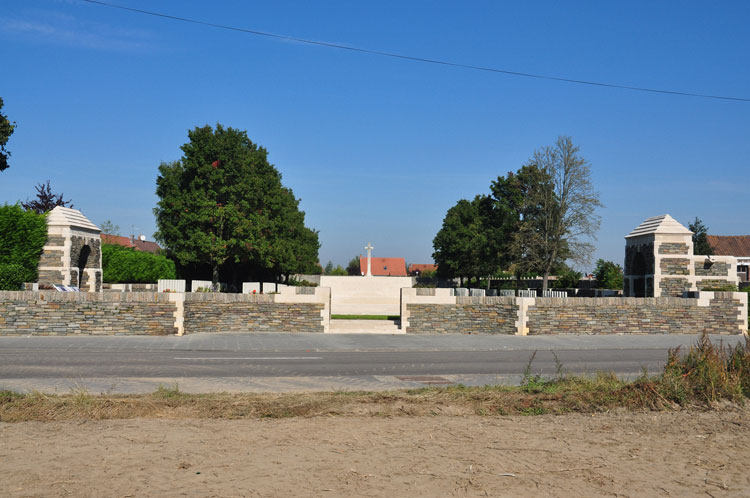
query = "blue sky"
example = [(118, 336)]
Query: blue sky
[(377, 148)]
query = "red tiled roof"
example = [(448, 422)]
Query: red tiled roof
[(394, 267), (421, 268), (730, 245), (137, 244)]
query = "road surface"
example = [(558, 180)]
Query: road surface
[(295, 362)]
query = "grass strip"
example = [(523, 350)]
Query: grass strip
[(704, 375)]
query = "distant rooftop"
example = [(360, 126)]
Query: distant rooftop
[(70, 217), (730, 245), (663, 224), (381, 267)]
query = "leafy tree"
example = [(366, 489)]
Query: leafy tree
[(564, 205), (328, 269), (22, 237), (109, 228), (567, 278), (126, 265), (462, 246), (353, 268), (45, 200), (6, 130), (608, 275), (222, 204), (700, 239), (514, 204)]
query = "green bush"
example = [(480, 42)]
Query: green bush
[(567, 278), (126, 265), (12, 276), (608, 275), (22, 237)]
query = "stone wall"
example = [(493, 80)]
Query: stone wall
[(675, 266), (210, 312), (661, 315), (673, 287), (711, 312), (704, 269), (73, 313), (470, 315), (673, 248)]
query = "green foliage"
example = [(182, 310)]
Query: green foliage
[(223, 204), (12, 276), (301, 283), (336, 271), (567, 278), (6, 130), (700, 240), (353, 268), (22, 237), (608, 275), (126, 265), (463, 245)]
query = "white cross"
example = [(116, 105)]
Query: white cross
[(369, 259)]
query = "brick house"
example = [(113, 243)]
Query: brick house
[(139, 244), (733, 245), (384, 267)]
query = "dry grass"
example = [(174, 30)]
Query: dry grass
[(703, 376)]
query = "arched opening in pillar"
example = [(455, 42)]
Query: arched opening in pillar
[(83, 258)]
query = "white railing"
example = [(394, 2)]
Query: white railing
[(552, 293), (527, 293)]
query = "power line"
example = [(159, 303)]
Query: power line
[(414, 58)]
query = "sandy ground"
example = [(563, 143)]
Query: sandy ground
[(646, 454)]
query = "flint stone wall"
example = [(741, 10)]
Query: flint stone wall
[(73, 313), (211, 312), (470, 315), (660, 315)]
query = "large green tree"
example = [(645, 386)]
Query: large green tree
[(608, 275), (463, 246), (224, 204), (6, 130)]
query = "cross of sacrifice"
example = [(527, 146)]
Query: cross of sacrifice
[(369, 259)]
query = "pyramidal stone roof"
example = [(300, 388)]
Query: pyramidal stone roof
[(659, 224), (70, 217)]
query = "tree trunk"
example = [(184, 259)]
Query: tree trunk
[(215, 278)]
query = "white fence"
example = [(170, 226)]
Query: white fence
[(553, 293)]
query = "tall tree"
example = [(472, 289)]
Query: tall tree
[(223, 204), (45, 200), (700, 240), (462, 247), (6, 130), (565, 204)]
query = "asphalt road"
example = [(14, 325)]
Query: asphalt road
[(283, 362)]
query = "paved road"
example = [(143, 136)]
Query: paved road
[(287, 362)]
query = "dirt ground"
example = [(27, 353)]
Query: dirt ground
[(644, 454)]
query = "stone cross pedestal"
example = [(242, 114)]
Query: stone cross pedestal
[(369, 259)]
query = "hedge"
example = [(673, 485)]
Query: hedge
[(22, 237), (126, 265)]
